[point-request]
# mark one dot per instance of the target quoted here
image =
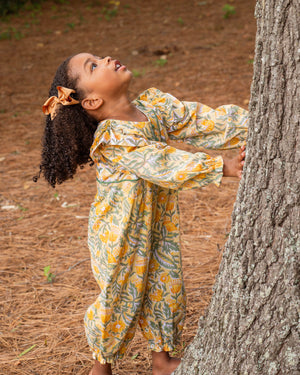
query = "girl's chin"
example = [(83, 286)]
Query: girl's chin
[(129, 74)]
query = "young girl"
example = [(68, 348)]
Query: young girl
[(134, 221)]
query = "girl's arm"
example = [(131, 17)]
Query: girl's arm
[(199, 125), (166, 166)]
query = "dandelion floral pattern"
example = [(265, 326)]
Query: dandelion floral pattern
[(134, 219)]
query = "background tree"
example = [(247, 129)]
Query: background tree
[(251, 324)]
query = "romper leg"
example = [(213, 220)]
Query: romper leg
[(111, 320), (163, 311), (119, 243)]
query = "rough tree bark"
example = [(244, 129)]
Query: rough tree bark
[(250, 326)]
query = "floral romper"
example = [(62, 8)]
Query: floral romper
[(134, 221)]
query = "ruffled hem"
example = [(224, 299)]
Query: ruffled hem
[(166, 347), (107, 359), (103, 359)]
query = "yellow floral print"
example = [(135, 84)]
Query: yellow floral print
[(134, 221)]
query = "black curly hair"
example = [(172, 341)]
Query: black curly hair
[(68, 137)]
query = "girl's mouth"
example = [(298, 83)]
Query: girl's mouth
[(117, 65)]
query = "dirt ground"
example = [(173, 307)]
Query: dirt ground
[(183, 47)]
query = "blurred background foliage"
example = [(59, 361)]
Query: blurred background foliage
[(8, 7)]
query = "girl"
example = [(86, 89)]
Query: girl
[(134, 221)]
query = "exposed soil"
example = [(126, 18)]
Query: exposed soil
[(209, 59)]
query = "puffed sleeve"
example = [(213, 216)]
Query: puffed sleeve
[(199, 125), (167, 166)]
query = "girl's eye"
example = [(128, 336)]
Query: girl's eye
[(93, 66)]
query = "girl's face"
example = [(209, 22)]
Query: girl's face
[(100, 77)]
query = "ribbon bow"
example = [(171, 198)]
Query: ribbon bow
[(63, 97)]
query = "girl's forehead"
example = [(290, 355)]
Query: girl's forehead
[(77, 62), (80, 58)]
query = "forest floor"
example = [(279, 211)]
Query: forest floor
[(186, 48)]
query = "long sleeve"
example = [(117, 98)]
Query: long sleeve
[(199, 125), (167, 166)]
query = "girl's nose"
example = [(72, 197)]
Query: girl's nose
[(107, 59)]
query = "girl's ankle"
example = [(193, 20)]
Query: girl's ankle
[(100, 369), (163, 364)]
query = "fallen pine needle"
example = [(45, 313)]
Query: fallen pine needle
[(135, 356), (26, 351)]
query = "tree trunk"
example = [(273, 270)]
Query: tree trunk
[(250, 326)]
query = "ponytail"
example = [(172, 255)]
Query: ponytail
[(68, 136)]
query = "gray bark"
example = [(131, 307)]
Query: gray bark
[(250, 326)]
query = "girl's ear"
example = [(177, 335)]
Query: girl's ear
[(92, 104)]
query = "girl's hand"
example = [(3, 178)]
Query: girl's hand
[(234, 167)]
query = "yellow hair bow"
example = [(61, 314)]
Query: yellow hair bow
[(63, 97)]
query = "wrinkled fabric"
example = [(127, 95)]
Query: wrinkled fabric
[(134, 220)]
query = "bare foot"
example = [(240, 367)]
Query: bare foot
[(99, 369), (163, 364)]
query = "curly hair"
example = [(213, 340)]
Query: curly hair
[(68, 137)]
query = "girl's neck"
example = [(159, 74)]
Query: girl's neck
[(122, 110)]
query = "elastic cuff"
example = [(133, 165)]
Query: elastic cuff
[(107, 359), (166, 347), (218, 170)]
